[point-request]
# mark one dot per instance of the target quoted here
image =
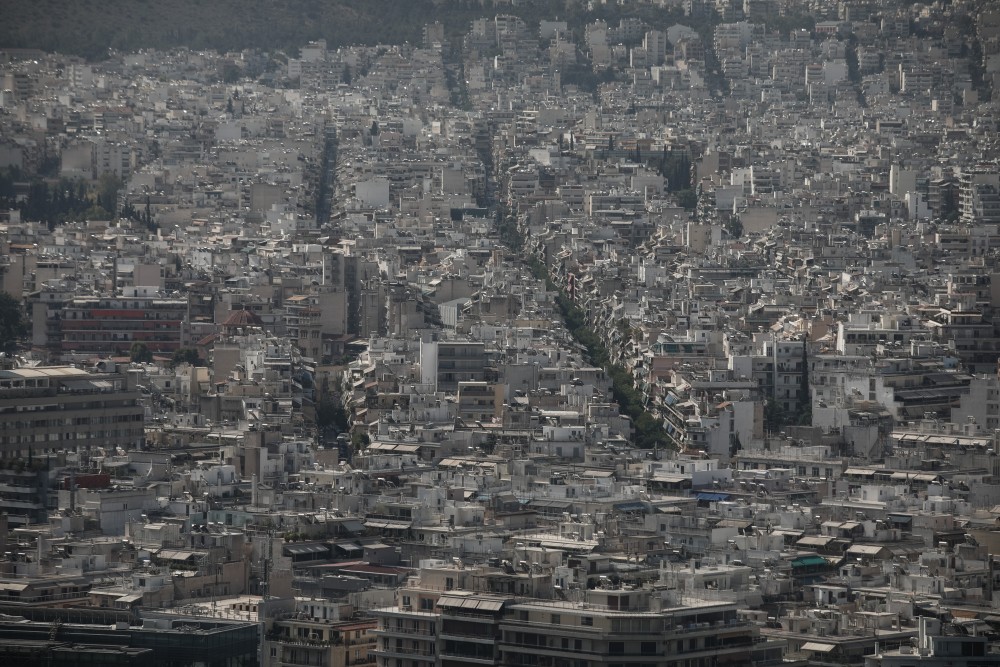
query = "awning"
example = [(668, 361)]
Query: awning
[(170, 554), (129, 599), (451, 601), (349, 548), (712, 497), (865, 549), (630, 507), (786, 532), (304, 549), (671, 479), (810, 561), (353, 526), (552, 504), (392, 525), (817, 647), (470, 603), (7, 586)]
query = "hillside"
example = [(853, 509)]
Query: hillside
[(89, 27)]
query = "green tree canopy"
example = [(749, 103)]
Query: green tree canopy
[(139, 353), (186, 355), (13, 324)]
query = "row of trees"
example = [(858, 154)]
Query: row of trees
[(64, 200), (649, 433), (140, 353), (13, 323)]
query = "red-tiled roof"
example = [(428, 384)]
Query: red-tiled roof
[(243, 318)]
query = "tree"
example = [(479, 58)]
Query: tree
[(186, 355), (734, 445), (139, 353), (108, 186), (774, 415), (331, 414), (359, 440), (733, 227), (687, 199), (12, 321)]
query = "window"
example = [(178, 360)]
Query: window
[(586, 620), (616, 648), (555, 619), (648, 648)]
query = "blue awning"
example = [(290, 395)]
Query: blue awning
[(712, 497), (810, 561)]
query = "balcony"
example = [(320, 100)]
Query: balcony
[(468, 635), (403, 653), (469, 659), (402, 632), (311, 661)]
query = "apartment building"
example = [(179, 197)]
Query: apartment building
[(446, 363), (105, 326), (618, 626), (979, 195), (311, 641), (55, 408)]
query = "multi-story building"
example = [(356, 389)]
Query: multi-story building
[(297, 641), (635, 626), (446, 363), (480, 402), (979, 195), (405, 637), (47, 409), (105, 326), (26, 489), (470, 629), (936, 650)]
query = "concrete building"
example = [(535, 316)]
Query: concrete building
[(47, 409), (110, 326)]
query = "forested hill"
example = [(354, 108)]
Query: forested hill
[(89, 28)]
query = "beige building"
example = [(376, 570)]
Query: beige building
[(309, 641), (52, 408)]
